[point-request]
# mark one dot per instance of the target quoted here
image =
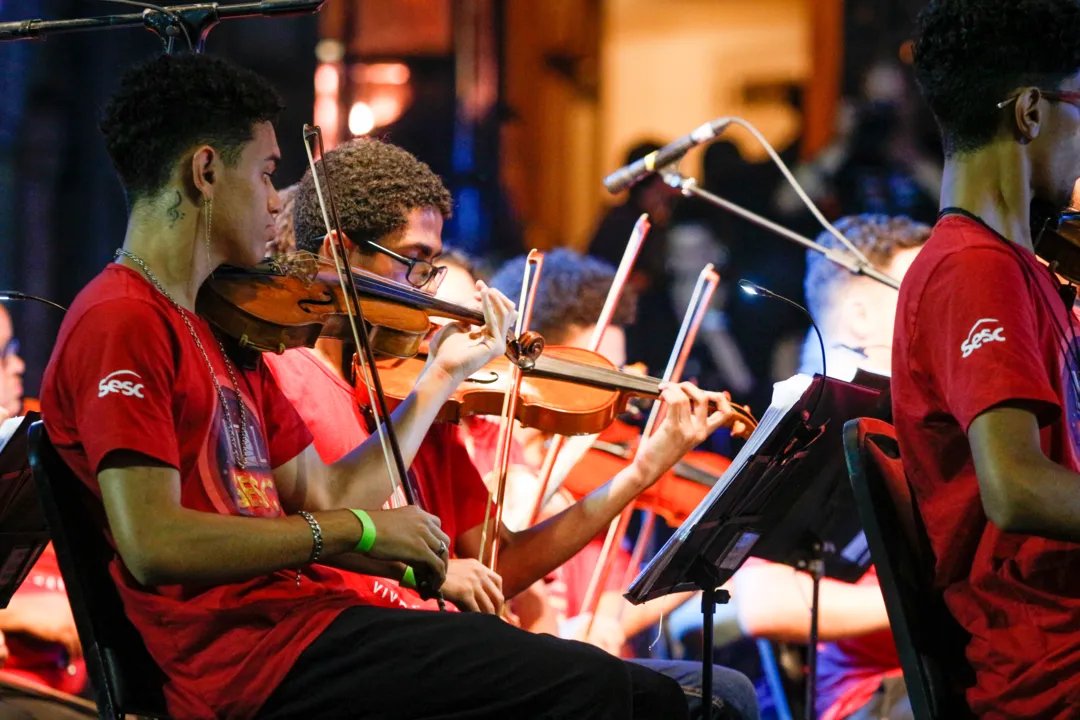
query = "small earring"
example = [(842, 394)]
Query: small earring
[(208, 209)]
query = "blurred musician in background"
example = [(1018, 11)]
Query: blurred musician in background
[(858, 669), (655, 326)]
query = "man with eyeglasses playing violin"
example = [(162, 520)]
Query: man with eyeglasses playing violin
[(392, 208), (206, 483), (986, 400)]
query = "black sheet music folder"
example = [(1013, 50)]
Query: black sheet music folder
[(23, 530), (784, 493)]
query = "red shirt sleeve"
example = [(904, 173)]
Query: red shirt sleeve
[(119, 378), (978, 346), (286, 434)]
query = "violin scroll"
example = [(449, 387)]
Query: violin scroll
[(1056, 239), (525, 349)]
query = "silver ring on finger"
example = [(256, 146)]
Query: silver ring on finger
[(442, 548)]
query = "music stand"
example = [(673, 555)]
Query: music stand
[(784, 498), (23, 530)]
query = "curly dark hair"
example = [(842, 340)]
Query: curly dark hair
[(173, 103), (572, 292), (879, 237), (971, 54), (376, 185)]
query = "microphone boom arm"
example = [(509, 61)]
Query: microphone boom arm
[(197, 18), (689, 187)]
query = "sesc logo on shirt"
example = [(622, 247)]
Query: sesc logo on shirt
[(112, 383), (980, 334)]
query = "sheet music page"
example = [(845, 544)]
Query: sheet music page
[(786, 394), (8, 429)]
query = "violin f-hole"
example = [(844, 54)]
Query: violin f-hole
[(490, 380), (326, 299)]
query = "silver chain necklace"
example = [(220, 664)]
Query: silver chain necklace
[(238, 444)]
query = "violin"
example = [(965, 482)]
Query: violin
[(1056, 239), (566, 390), (673, 497), (292, 301)]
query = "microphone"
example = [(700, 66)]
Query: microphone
[(672, 152), (757, 291)]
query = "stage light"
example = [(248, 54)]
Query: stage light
[(361, 119)]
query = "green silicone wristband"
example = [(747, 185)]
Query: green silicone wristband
[(408, 580), (367, 537)]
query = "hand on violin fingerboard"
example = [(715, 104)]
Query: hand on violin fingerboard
[(685, 425), (460, 351)]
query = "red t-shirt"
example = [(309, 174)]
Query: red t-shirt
[(447, 477), (35, 660), (568, 583), (976, 326), (126, 375)]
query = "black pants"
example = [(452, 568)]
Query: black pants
[(397, 664)]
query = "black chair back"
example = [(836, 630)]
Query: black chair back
[(125, 678), (929, 641)]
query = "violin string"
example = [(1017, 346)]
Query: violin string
[(557, 369)]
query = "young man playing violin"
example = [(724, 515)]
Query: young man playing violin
[(392, 209), (985, 386), (209, 488)]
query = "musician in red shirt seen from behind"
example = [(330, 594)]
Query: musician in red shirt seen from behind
[(985, 386)]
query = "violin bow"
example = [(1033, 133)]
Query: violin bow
[(395, 462), (534, 263), (707, 282), (618, 283)]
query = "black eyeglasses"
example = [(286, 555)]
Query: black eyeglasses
[(421, 274), (1071, 97), (9, 350)]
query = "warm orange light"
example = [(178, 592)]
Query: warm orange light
[(381, 74), (326, 117), (907, 52), (385, 108), (326, 79), (361, 119)]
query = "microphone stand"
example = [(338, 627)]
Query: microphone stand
[(194, 21), (690, 188)]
